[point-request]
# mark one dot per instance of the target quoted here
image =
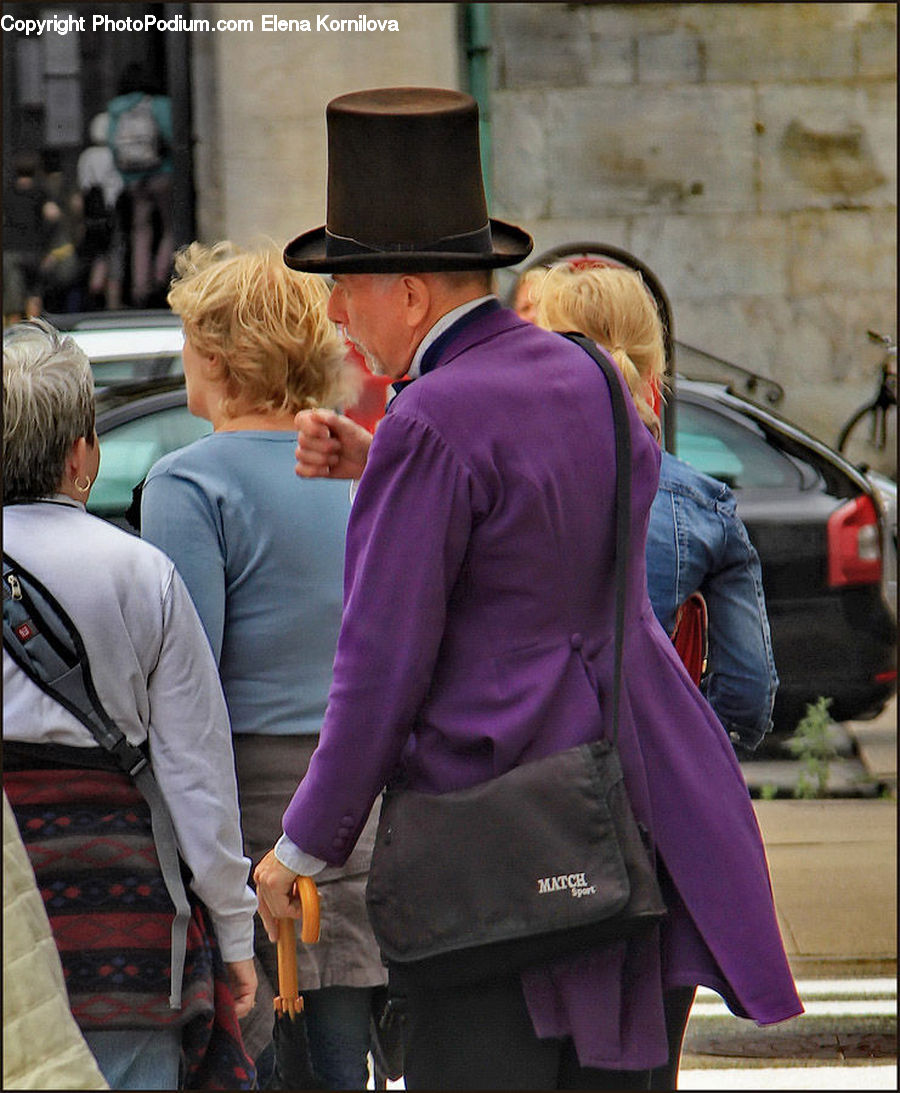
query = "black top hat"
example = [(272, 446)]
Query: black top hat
[(405, 193)]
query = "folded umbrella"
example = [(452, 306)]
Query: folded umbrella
[(293, 1064)]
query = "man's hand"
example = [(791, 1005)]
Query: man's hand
[(330, 445), (242, 980), (275, 893)]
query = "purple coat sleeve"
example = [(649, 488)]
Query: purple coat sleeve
[(408, 532)]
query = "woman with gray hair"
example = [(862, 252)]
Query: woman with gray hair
[(86, 827)]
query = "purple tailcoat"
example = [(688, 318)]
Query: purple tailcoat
[(477, 634)]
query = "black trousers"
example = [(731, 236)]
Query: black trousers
[(482, 1037), (677, 1004)]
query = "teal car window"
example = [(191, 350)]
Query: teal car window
[(736, 455), (129, 450)]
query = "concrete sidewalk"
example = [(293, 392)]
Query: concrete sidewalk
[(834, 874), (834, 867)]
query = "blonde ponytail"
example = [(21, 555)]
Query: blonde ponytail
[(611, 305), (640, 390)]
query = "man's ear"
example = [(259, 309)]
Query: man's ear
[(416, 298)]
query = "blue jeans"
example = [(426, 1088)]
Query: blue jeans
[(337, 1021), (138, 1058)]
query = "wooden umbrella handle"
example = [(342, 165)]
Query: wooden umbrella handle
[(287, 965), (288, 1000), (305, 888)]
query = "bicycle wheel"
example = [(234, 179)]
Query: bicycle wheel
[(869, 439)]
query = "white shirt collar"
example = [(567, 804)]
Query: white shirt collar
[(443, 323)]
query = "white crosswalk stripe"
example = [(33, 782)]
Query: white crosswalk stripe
[(792, 1077), (841, 988), (820, 1007), (779, 1078), (821, 998), (833, 988)]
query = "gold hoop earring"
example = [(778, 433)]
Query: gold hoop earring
[(85, 488)]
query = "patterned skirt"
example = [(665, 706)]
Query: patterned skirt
[(89, 838)]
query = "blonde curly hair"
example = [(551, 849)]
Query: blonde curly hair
[(613, 306), (267, 325)]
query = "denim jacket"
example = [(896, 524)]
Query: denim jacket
[(696, 541)]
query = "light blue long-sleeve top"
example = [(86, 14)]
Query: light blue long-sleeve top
[(262, 554)]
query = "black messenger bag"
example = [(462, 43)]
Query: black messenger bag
[(543, 862)]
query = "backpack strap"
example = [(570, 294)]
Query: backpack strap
[(44, 642)]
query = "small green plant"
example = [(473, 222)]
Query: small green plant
[(813, 746), (768, 791)]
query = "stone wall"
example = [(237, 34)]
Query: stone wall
[(746, 152), (259, 104)]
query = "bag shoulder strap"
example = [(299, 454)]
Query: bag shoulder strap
[(42, 639), (622, 429), (40, 636)]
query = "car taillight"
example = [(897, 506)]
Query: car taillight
[(854, 545)]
